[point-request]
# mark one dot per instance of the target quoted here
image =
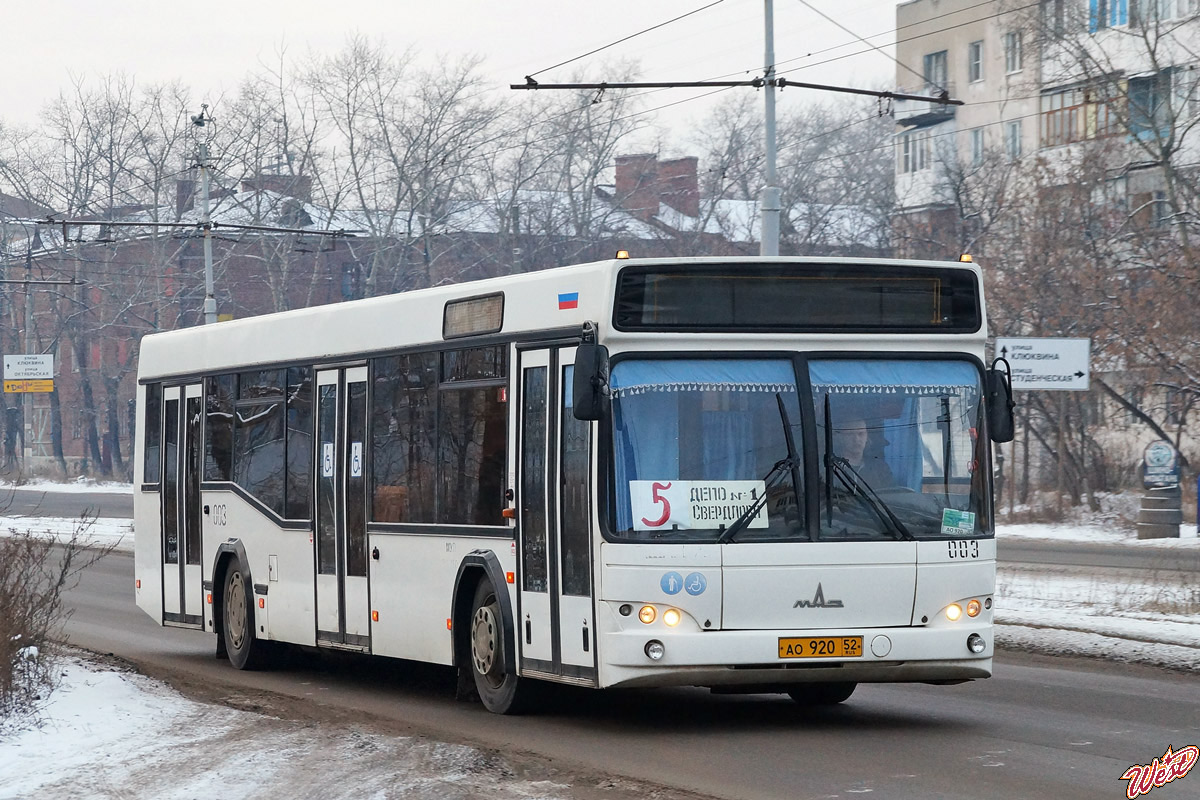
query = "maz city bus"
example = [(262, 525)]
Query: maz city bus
[(748, 474)]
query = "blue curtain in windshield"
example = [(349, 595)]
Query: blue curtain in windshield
[(895, 386), (721, 443)]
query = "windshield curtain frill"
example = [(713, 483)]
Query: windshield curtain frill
[(698, 441)]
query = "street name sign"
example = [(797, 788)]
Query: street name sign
[(1046, 364), (28, 367), (29, 373)]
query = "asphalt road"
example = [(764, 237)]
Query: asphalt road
[(41, 503), (1041, 727)]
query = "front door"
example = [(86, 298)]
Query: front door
[(182, 414), (343, 615), (556, 628)]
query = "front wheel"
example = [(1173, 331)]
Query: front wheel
[(821, 694), (500, 691), (244, 650)]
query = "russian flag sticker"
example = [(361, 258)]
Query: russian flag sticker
[(568, 300)]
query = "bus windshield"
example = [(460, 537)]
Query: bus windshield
[(698, 444), (899, 448), (694, 442)]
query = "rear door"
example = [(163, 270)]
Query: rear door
[(182, 415), (343, 608)]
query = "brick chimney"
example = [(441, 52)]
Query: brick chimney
[(678, 185), (637, 184), (297, 186)]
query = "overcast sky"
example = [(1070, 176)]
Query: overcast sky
[(212, 45)]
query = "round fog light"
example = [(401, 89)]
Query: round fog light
[(953, 611), (976, 644), (655, 650), (671, 617), (647, 614)]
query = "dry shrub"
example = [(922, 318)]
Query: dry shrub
[(35, 572)]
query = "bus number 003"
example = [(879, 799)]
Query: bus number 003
[(220, 515), (963, 548)]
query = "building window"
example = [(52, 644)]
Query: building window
[(975, 61), (1107, 14), (1012, 51), (914, 152), (1053, 17), (1078, 113), (1149, 111), (936, 71), (1185, 92), (977, 147), (1012, 139)]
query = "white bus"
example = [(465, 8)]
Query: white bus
[(749, 474)]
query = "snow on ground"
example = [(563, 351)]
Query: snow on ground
[(108, 733), (112, 734)]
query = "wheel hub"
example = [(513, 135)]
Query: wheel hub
[(484, 640)]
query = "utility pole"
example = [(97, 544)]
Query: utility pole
[(771, 200), (199, 124)]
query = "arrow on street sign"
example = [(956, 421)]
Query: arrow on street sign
[(1047, 364)]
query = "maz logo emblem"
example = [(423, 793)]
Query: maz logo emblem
[(818, 601)]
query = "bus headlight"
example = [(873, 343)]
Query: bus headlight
[(953, 612), (647, 614), (973, 608), (976, 644), (671, 617), (655, 650)]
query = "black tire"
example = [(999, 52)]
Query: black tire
[(821, 694), (245, 651), (500, 691)]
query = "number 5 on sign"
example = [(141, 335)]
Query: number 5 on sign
[(658, 505)]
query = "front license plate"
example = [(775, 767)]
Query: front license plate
[(820, 647)]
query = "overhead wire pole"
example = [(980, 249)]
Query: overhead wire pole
[(768, 244), (210, 300), (771, 198)]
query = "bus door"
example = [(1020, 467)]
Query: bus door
[(340, 538), (556, 627), (183, 595)]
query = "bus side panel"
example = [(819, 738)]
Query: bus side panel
[(147, 552), (412, 583), (290, 582)]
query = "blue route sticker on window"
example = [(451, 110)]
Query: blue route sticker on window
[(958, 523)]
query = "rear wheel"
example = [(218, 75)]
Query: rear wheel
[(500, 691), (821, 694), (243, 649)]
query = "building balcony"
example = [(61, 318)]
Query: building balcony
[(919, 113)]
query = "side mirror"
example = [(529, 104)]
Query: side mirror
[(589, 387), (999, 400)]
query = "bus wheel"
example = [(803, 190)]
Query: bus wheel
[(500, 691), (821, 694), (244, 650)]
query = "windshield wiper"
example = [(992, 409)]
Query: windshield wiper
[(791, 463), (859, 487), (850, 477)]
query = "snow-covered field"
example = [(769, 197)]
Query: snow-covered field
[(110, 733)]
